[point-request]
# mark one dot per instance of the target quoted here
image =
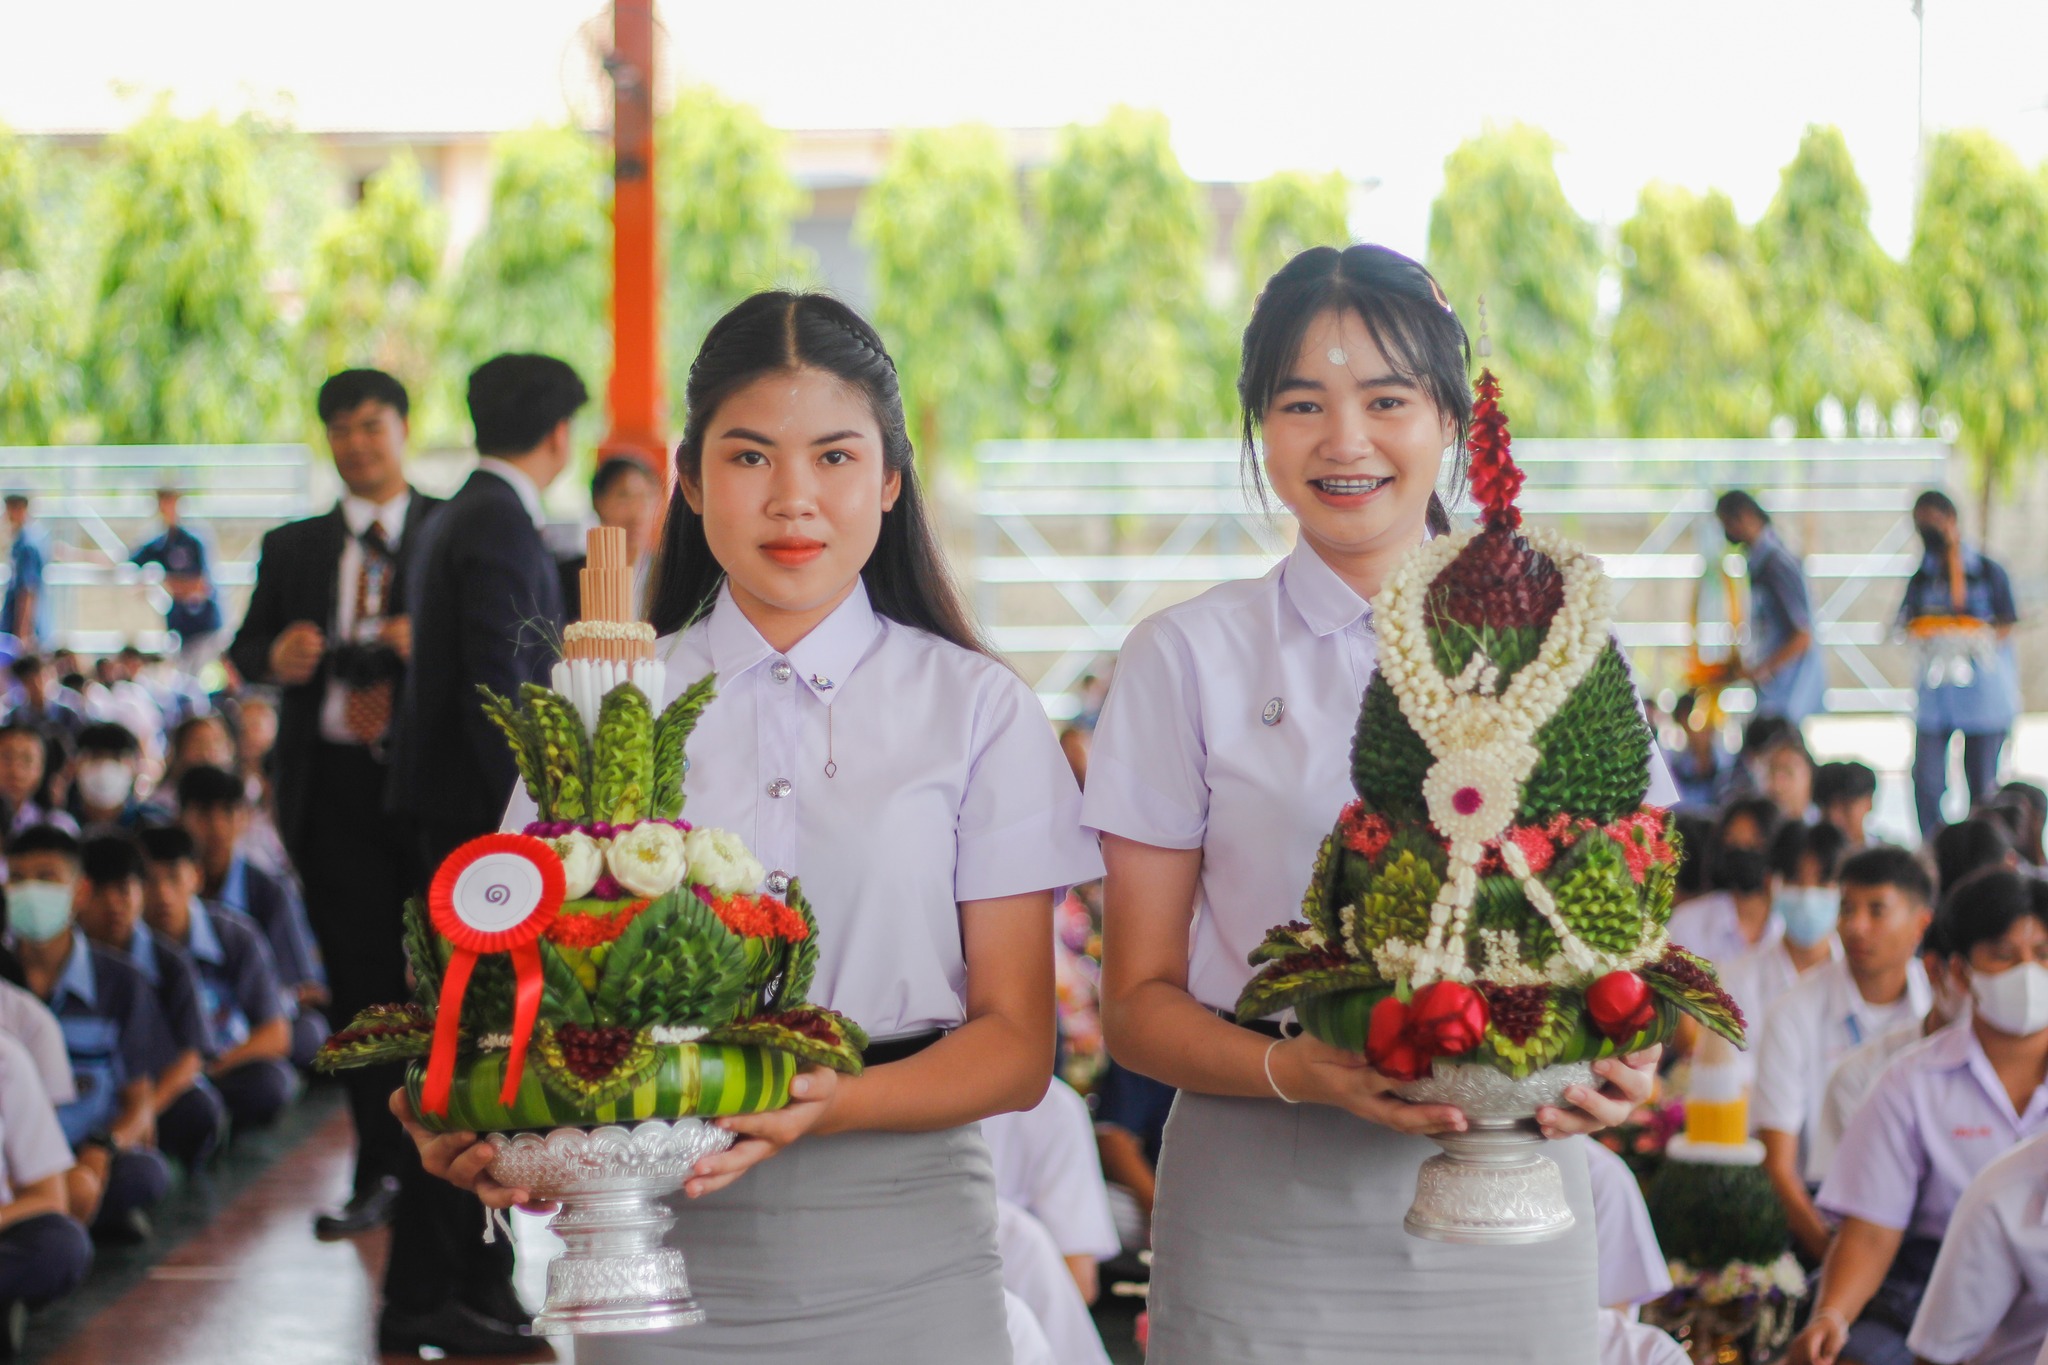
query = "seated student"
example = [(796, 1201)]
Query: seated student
[(1784, 775), (112, 1032), (251, 1065), (1970, 846), (1855, 1075), (103, 788), (1035, 1273), (1987, 1300), (42, 701), (1702, 768), (202, 741), (1876, 987), (1631, 1266), (44, 1252), (29, 1022), (1130, 1127), (1845, 792), (22, 756), (1805, 861), (1736, 916), (1045, 1163), (1943, 1111), (2036, 802), (191, 1120), (213, 806)]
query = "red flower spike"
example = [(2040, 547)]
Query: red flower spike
[(1621, 1005), (1447, 1019), (1496, 479)]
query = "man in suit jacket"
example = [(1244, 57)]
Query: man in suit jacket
[(326, 624), (486, 608)]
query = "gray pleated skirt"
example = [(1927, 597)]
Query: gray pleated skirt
[(848, 1249), (1276, 1236)]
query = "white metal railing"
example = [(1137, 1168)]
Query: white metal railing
[(1076, 541)]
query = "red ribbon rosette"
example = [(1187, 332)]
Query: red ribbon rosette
[(496, 894)]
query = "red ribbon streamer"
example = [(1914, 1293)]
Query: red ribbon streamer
[(468, 941)]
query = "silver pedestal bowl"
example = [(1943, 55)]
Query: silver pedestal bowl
[(616, 1273), (1492, 1185)]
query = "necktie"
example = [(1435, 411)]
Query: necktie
[(367, 709)]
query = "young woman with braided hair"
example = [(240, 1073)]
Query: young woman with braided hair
[(1287, 1163), (864, 739)]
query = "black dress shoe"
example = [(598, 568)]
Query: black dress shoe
[(453, 1328), (499, 1303), (13, 1330), (360, 1214)]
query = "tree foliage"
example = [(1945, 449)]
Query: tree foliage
[(728, 209), (38, 376), (1130, 344), (1502, 227), (946, 234), (1834, 305), (186, 344), (538, 278), (1284, 215), (1689, 356), (369, 289), (1978, 272)]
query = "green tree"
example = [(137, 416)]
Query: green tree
[(538, 278), (186, 344), (1501, 227), (1834, 305), (1979, 272), (946, 235), (369, 287), (1129, 341), (728, 206), (1689, 356), (1284, 215), (38, 379)]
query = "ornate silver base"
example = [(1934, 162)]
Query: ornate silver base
[(1493, 1185), (616, 1274)]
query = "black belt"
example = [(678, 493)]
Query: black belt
[(1270, 1027), (883, 1051)]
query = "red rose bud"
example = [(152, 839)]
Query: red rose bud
[(1387, 1045), (1621, 1004), (1447, 1019)]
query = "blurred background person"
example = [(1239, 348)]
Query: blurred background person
[(194, 614), (624, 494), (1782, 657), (25, 608)]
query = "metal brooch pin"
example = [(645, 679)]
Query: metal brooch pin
[(1275, 709)]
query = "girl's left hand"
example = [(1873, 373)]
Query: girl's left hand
[(811, 1096), (1630, 1082)]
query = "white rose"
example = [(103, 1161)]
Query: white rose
[(648, 859), (721, 864), (582, 863)]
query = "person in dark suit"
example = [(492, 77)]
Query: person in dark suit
[(486, 607), (326, 624)]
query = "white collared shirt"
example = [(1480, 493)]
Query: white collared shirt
[(29, 1021), (1849, 1084), (949, 786), (32, 1145), (1185, 755), (1759, 978), (522, 484), (1709, 926), (1632, 1265), (1987, 1302), (1937, 1117), (1810, 1028), (357, 513)]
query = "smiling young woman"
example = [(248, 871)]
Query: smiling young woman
[(863, 739), (1218, 759)]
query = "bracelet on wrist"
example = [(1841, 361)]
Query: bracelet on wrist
[(1269, 1072)]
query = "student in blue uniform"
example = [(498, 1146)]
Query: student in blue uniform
[(251, 1061), (191, 1120), (194, 613), (25, 608), (1783, 659), (112, 1030), (44, 1252)]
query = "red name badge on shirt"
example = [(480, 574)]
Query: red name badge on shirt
[(496, 894)]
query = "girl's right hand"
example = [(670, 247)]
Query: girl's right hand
[(461, 1159), (1822, 1341), (1315, 1072)]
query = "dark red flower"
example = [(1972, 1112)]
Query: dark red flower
[(1621, 1004), (1447, 1019)]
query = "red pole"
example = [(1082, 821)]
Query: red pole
[(637, 427)]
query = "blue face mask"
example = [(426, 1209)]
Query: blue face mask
[(39, 911), (1809, 912)]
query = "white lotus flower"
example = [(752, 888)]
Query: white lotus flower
[(721, 864), (582, 862), (649, 859)]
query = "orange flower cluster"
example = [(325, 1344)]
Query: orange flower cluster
[(760, 917), (1365, 834), (1642, 837), (587, 931)]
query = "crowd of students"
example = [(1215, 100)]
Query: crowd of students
[(1898, 1068), (160, 991)]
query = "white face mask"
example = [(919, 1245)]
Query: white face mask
[(2014, 1001), (104, 785)]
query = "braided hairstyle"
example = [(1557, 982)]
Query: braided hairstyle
[(775, 332), (1403, 310)]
